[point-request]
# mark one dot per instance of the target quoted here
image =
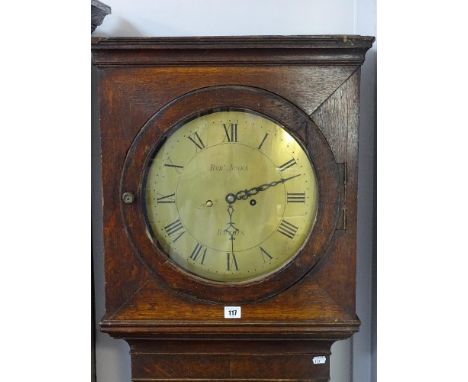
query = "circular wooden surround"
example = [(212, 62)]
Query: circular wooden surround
[(199, 102)]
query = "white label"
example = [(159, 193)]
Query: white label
[(319, 360), (232, 312)]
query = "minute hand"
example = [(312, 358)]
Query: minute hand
[(245, 194)]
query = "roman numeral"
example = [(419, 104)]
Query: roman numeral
[(296, 197), (174, 228), (231, 133), (173, 165), (263, 140), (231, 261), (287, 229), (196, 140), (197, 251), (265, 254), (166, 199), (288, 164), (176, 167)]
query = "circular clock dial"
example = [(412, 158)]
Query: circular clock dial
[(231, 196)]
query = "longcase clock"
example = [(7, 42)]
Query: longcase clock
[(229, 180)]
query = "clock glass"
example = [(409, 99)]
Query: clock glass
[(230, 196)]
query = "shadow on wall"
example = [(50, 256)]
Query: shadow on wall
[(112, 359), (120, 27)]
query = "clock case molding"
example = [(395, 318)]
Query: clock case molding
[(174, 335)]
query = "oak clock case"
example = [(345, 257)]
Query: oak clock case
[(229, 178)]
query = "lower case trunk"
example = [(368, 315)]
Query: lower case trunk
[(230, 360)]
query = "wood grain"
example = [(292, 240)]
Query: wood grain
[(215, 98), (230, 360), (231, 50), (311, 84)]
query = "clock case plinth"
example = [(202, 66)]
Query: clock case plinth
[(175, 336)]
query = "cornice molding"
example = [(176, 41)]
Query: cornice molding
[(231, 50)]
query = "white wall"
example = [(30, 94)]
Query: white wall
[(223, 17), (355, 357)]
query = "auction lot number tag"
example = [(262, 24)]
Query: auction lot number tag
[(232, 312)]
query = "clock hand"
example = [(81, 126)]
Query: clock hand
[(245, 194), (231, 229)]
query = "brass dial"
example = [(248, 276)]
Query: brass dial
[(231, 196)]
